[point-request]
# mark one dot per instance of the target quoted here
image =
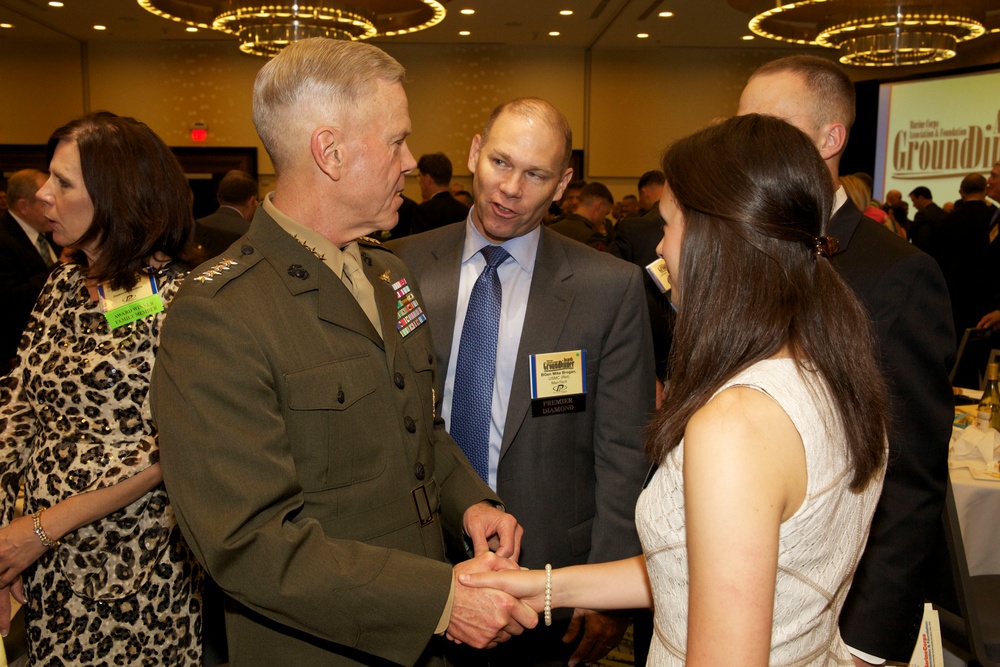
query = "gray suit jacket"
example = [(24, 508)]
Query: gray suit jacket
[(572, 480), (303, 459)]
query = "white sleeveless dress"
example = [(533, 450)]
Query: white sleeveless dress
[(819, 546)]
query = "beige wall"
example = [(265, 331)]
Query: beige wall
[(624, 106), (43, 88)]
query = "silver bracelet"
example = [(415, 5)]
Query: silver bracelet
[(548, 594), (36, 519)]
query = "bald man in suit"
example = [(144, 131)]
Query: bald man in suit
[(571, 477)]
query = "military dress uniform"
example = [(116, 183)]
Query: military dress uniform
[(301, 451)]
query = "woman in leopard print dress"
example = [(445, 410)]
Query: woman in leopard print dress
[(98, 558)]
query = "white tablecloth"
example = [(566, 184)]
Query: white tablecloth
[(978, 505)]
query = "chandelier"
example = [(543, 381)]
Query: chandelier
[(876, 33), (264, 28)]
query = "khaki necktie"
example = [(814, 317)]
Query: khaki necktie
[(355, 279), (44, 249)]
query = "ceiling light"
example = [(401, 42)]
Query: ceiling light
[(55, 3), (554, 33), (464, 33), (643, 35), (665, 15), (468, 12), (873, 33), (264, 27), (191, 28), (100, 27), (566, 12), (746, 38), (6, 25)]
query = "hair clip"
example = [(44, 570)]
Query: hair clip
[(825, 246)]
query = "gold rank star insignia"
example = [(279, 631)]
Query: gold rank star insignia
[(385, 277)]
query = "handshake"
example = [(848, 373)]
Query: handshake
[(496, 599)]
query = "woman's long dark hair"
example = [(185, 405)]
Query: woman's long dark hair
[(142, 200), (755, 195)]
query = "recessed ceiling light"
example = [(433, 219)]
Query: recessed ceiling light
[(643, 35), (464, 33), (468, 12), (100, 27), (6, 25), (566, 12), (554, 33), (666, 15), (55, 3), (747, 38), (191, 29)]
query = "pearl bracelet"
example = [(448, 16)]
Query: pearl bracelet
[(548, 594), (36, 519)]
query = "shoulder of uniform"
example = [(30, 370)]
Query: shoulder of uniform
[(215, 273)]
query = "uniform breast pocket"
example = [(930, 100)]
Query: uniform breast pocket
[(332, 423)]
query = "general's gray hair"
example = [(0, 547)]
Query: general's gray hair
[(337, 74)]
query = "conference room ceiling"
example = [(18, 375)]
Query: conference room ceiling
[(598, 24)]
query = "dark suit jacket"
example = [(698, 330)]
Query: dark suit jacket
[(301, 455), (905, 294), (218, 231), (440, 210), (22, 275), (963, 246), (635, 241), (572, 479), (926, 226)]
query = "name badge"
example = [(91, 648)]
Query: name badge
[(558, 382), (657, 270), (123, 306)]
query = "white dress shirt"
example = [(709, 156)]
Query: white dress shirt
[(515, 281)]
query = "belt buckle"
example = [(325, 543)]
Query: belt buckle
[(422, 505)]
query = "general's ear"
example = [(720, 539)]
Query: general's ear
[(329, 150), (833, 140)]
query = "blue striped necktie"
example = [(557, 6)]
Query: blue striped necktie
[(475, 368)]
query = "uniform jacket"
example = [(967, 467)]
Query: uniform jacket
[(303, 458), (571, 479), (905, 294)]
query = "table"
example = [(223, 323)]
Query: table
[(978, 505)]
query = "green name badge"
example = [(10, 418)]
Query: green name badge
[(128, 305)]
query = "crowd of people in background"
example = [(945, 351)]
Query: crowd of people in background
[(349, 418)]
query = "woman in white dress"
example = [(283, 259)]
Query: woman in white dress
[(771, 438)]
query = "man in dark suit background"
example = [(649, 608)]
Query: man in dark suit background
[(571, 478), (27, 255), (906, 297), (991, 269), (635, 241), (963, 245), (438, 207), (237, 198), (927, 221)]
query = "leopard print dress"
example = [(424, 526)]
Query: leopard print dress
[(124, 590)]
